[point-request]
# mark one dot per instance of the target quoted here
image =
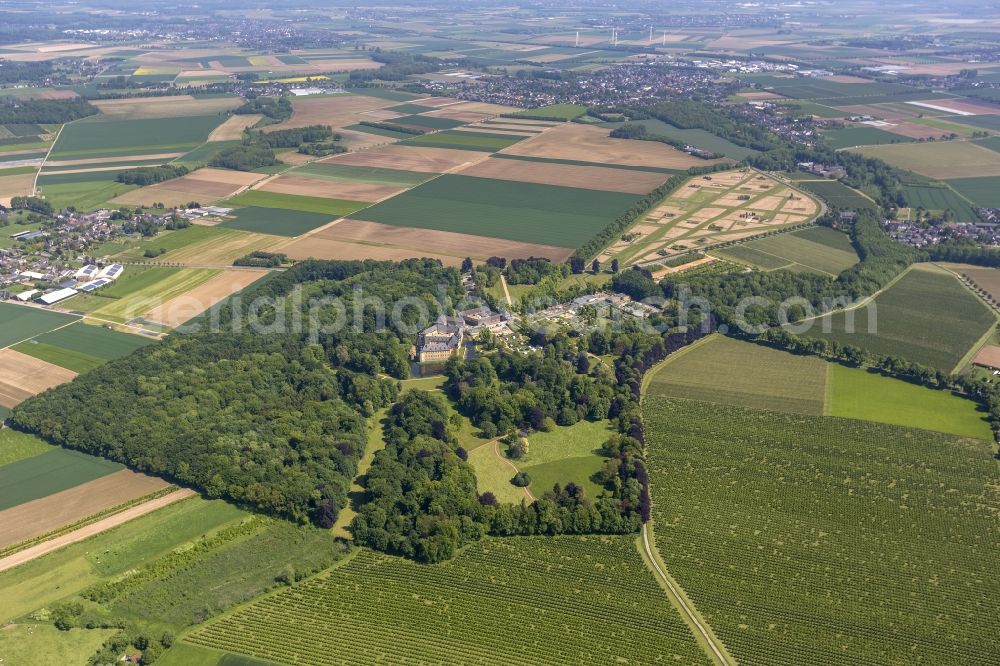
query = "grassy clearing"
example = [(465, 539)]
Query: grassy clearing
[(19, 322), (493, 475), (34, 643), (329, 207), (927, 317), (47, 473), (820, 536), (98, 138), (527, 212), (857, 394), (480, 141), (430, 614), (730, 372), (16, 446), (277, 221)]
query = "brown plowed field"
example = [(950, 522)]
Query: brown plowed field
[(202, 185), (232, 129), (380, 239), (336, 111), (332, 189), (572, 141), (22, 376), (41, 516), (410, 158), (591, 178)]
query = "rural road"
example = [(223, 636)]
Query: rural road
[(87, 531), (692, 619), (506, 292)]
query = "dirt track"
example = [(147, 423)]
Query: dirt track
[(88, 531)]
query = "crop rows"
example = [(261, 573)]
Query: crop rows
[(819, 540), (516, 601)]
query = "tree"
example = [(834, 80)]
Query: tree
[(595, 267), (614, 265), (466, 264), (576, 264)]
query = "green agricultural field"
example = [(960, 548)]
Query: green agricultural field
[(91, 138), (730, 372), (698, 138), (328, 207), (563, 112), (941, 197), (849, 137), (527, 212), (836, 194), (983, 192), (938, 159), (428, 122), (15, 445), (83, 192), (820, 539), (991, 122), (479, 141), (812, 109), (927, 317), (111, 554), (334, 171), (139, 290), (410, 108), (170, 241), (47, 473), (725, 371), (277, 221), (816, 250), (20, 322), (82, 347), (553, 160), (538, 589), (816, 88), (379, 131), (857, 394)]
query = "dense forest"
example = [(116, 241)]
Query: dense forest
[(44, 111), (275, 108), (151, 175), (273, 420), (245, 158)]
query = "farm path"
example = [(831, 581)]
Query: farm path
[(716, 650), (496, 450), (506, 292), (34, 184), (88, 531)]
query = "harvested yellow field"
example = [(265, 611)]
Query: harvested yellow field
[(15, 186), (22, 376), (171, 106), (232, 129), (185, 307), (572, 141), (224, 248), (204, 186)]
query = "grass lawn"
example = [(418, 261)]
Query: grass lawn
[(33, 643), (19, 322), (858, 394), (727, 371), (276, 221), (16, 446), (494, 475), (927, 317), (330, 207), (527, 212), (47, 473)]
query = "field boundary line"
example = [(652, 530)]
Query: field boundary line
[(93, 529), (703, 633)]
